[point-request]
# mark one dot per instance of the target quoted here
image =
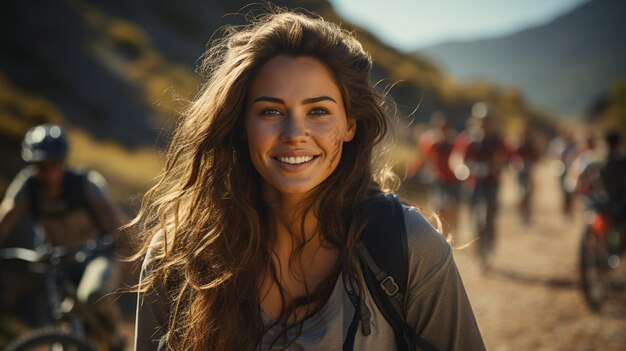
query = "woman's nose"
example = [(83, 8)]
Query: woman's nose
[(294, 130)]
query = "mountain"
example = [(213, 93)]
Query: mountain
[(563, 65), (116, 74)]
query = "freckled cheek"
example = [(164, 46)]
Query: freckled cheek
[(333, 146)]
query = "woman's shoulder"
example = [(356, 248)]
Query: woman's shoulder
[(428, 250), (420, 231)]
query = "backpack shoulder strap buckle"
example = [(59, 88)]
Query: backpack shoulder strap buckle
[(389, 286)]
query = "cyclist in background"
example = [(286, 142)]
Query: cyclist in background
[(70, 207), (613, 175), (600, 180), (485, 156), (564, 150), (436, 146), (525, 154), (457, 158), (583, 175)]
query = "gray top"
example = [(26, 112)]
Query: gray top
[(436, 305)]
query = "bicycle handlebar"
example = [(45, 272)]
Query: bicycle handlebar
[(20, 253), (54, 254)]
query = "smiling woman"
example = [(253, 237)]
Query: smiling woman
[(251, 235), (296, 125)]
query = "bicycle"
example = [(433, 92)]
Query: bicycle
[(72, 323), (482, 212), (599, 251)]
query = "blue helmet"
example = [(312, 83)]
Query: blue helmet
[(44, 142)]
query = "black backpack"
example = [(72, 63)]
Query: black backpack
[(383, 253), (73, 194)]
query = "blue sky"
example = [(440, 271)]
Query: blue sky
[(411, 24)]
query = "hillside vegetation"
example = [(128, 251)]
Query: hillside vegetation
[(118, 73)]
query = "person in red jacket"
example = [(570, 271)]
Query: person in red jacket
[(436, 145)]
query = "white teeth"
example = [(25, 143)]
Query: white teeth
[(295, 160)]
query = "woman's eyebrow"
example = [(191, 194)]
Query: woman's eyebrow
[(304, 102), (269, 99), (318, 99)]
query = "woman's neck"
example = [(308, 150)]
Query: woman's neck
[(293, 218), (302, 258)]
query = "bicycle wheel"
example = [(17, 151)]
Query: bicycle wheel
[(484, 245), (50, 339), (593, 257)]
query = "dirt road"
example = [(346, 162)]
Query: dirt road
[(531, 299)]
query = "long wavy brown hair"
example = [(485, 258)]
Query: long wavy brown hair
[(207, 207)]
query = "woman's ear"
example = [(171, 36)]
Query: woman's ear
[(351, 130)]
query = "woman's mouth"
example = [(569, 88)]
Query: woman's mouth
[(295, 160)]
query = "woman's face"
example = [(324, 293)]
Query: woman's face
[(296, 124)]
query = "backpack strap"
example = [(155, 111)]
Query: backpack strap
[(383, 252), (387, 252), (32, 190)]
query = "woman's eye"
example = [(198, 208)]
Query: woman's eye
[(319, 111), (270, 111)]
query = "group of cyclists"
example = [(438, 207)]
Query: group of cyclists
[(591, 168), (465, 167)]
